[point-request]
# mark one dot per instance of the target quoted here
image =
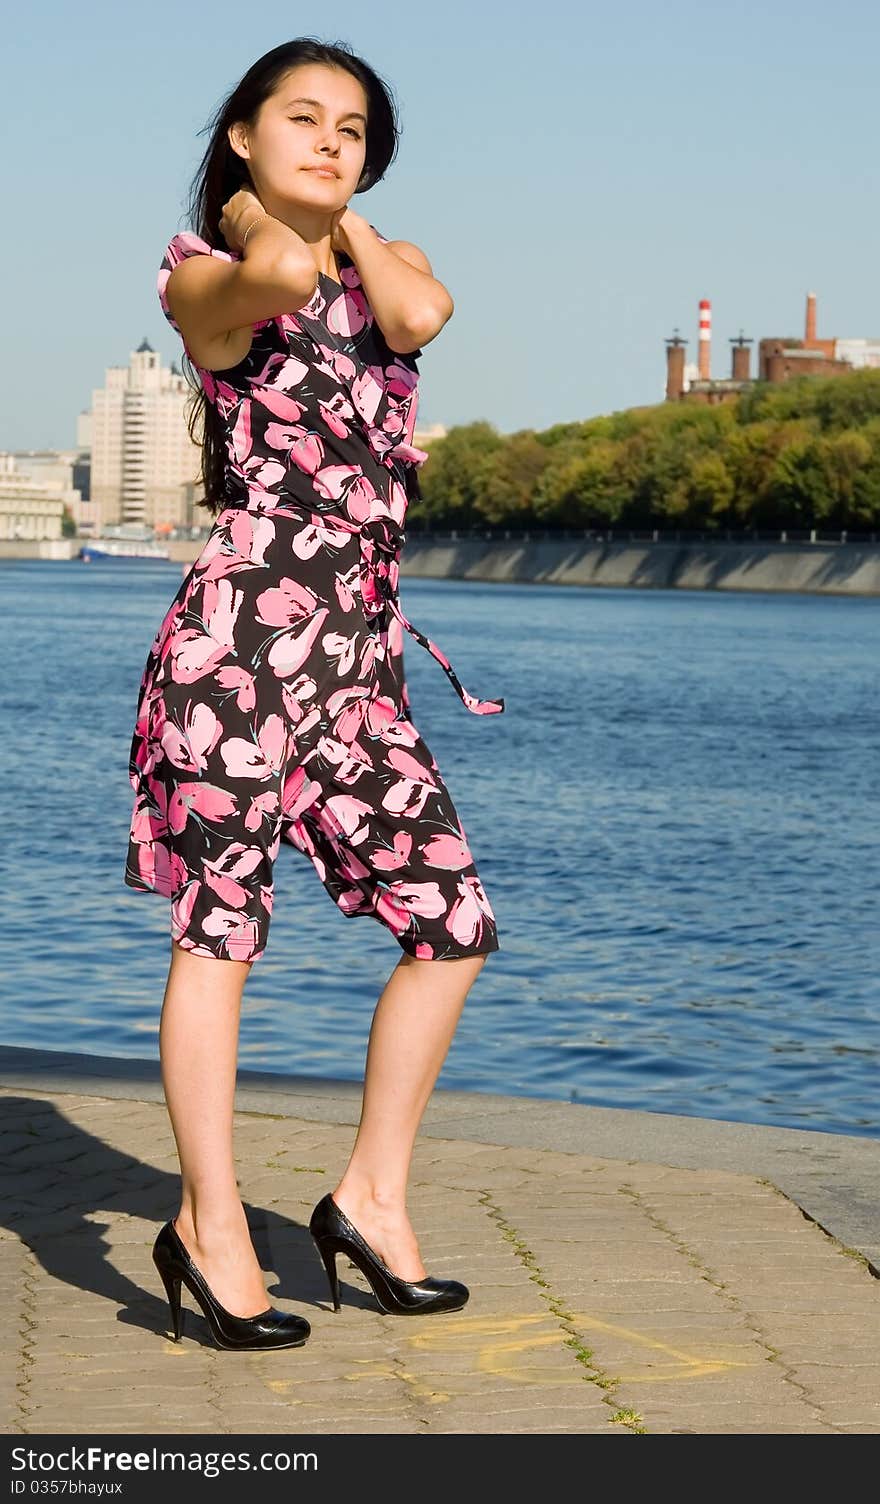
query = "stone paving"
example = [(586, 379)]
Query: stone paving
[(608, 1296)]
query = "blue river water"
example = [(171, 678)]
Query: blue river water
[(675, 818)]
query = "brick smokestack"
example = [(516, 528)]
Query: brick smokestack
[(675, 349), (740, 363), (810, 330), (740, 351), (704, 348)]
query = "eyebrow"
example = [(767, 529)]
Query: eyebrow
[(301, 99)]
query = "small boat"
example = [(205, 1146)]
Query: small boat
[(121, 548)]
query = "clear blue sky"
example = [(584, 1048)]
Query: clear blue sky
[(579, 176)]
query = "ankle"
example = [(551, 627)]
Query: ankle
[(372, 1196), (216, 1227)]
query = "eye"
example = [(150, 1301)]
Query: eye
[(349, 128)]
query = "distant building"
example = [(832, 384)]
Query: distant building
[(144, 465), (423, 438), (779, 359), (36, 485)]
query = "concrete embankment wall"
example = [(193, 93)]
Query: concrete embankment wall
[(844, 569), (825, 568)]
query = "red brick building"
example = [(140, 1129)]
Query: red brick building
[(779, 359)]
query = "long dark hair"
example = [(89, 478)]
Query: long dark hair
[(222, 172)]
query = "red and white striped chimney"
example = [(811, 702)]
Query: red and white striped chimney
[(704, 347)]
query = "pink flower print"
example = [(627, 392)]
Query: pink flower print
[(330, 481), (262, 376), (447, 851), (298, 792), (342, 366), (367, 393), (344, 315), (337, 645), (307, 452), (409, 766), (425, 899), (334, 751), (362, 500), (284, 436), (197, 653), (290, 373), (268, 473), (240, 934), (400, 732), (398, 506), (277, 403), (242, 443), (309, 539), (260, 758), (381, 713), (188, 746), (203, 799), (344, 594), (406, 798), (398, 856), (290, 650), (224, 876), (334, 422), (348, 812), (393, 912), (296, 696), (409, 794), (251, 536), (182, 908), (286, 602), (260, 806), (347, 708), (465, 919), (393, 423), (239, 679), (399, 380)]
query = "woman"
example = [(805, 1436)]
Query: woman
[(273, 705)]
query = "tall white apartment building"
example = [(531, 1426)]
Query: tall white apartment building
[(144, 465)]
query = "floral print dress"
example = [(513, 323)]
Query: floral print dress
[(273, 706)]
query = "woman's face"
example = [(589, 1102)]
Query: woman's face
[(316, 118)]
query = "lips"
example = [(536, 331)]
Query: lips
[(330, 171)]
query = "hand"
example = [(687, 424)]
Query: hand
[(238, 212), (340, 220)]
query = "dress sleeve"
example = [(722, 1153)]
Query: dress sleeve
[(185, 244)]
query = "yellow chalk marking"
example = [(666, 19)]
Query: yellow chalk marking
[(500, 1346)]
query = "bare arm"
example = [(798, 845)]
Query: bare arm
[(409, 304), (212, 298)]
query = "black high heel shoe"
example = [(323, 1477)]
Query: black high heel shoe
[(269, 1328), (332, 1233)]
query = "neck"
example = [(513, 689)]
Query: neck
[(312, 226)]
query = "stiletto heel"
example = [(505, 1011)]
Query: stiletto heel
[(333, 1233), (172, 1290), (269, 1328), (328, 1259)]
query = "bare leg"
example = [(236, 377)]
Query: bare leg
[(412, 1029), (198, 1046)]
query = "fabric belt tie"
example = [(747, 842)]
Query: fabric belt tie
[(381, 539)]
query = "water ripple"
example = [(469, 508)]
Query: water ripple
[(676, 819)]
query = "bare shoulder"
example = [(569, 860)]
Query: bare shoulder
[(411, 253)]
